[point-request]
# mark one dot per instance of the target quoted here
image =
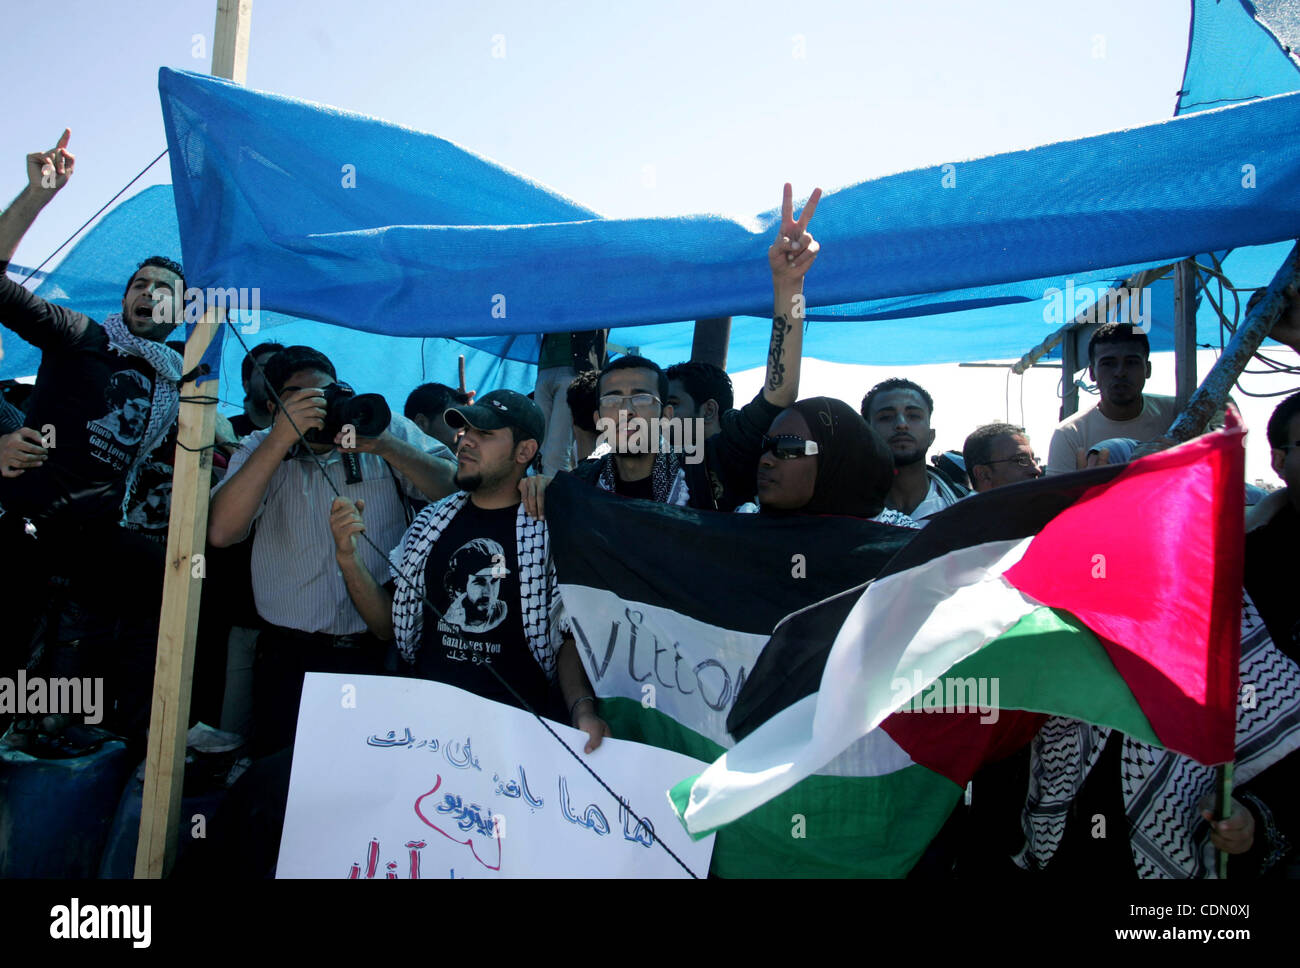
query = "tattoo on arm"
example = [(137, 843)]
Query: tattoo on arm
[(776, 354)]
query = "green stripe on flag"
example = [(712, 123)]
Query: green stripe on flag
[(679, 795), (825, 826), (1050, 662)]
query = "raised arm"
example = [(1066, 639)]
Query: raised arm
[(433, 476), (47, 172), (43, 324), (790, 257)]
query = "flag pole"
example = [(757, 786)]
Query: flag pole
[(1222, 810)]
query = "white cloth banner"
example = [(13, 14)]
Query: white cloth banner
[(406, 778)]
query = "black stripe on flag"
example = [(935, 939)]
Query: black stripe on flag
[(791, 664), (736, 571)]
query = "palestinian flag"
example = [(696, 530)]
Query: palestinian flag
[(1112, 596), (671, 609)]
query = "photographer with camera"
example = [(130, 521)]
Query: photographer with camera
[(374, 458)]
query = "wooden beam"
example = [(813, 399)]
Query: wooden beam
[(1184, 333), (178, 625), (711, 341), (187, 533), (1211, 395), (230, 40)]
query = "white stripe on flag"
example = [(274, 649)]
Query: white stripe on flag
[(687, 669), (913, 625)]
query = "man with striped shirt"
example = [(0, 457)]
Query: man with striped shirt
[(284, 483)]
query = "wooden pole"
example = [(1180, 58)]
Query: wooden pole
[(230, 40), (1211, 395), (1184, 333), (186, 541), (178, 627)]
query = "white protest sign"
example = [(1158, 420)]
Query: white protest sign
[(406, 778)]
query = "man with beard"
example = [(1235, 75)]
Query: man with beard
[(128, 398), (492, 621), (899, 410), (1117, 362), (110, 390), (474, 576)]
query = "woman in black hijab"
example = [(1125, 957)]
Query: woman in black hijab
[(821, 457)]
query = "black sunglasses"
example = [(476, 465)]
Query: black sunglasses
[(788, 447)]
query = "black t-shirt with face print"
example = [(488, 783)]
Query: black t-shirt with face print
[(472, 577), (91, 401)]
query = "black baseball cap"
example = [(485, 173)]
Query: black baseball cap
[(497, 409)]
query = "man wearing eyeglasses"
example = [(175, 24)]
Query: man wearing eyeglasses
[(998, 454), (718, 472)]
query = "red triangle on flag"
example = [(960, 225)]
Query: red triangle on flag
[(1152, 562)]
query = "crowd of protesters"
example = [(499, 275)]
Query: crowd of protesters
[(310, 522)]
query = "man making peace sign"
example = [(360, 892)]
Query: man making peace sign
[(633, 394)]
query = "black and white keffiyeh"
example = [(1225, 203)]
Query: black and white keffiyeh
[(1161, 789), (541, 607), (667, 478), (167, 365)]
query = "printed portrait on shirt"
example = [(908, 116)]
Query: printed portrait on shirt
[(151, 506), (128, 396), (473, 585)]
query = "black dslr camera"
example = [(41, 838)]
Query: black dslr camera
[(366, 413)]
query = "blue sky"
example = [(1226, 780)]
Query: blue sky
[(632, 109)]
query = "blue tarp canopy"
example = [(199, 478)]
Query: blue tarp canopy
[(934, 265)]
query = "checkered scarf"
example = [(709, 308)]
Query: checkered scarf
[(1161, 790), (167, 364), (667, 478), (541, 607)]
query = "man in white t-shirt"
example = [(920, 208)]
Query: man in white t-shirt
[(1118, 363)]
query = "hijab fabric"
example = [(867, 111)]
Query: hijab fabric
[(848, 451)]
